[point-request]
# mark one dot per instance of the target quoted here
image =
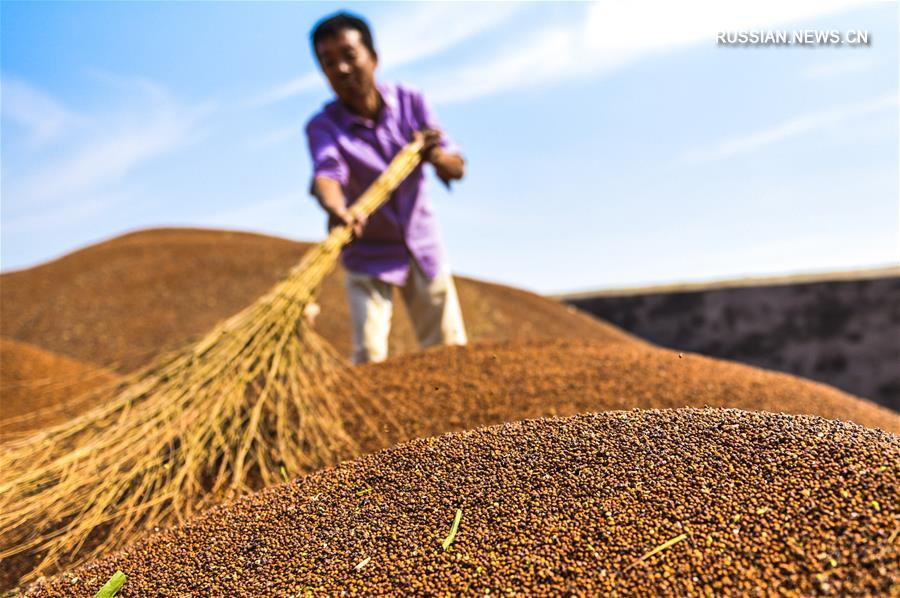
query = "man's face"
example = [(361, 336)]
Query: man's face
[(348, 64)]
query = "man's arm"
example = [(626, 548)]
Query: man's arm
[(450, 167), (329, 175), (330, 195)]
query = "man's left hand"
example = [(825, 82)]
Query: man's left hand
[(449, 167), (431, 139)]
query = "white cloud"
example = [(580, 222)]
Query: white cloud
[(42, 116), (106, 150), (612, 34), (289, 89), (106, 160), (409, 34), (796, 126), (416, 32), (545, 56)]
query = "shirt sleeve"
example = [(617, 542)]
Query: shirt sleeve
[(429, 120), (327, 160)]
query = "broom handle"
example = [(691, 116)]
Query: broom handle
[(304, 278), (380, 191)]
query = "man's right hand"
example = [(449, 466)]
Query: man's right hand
[(349, 218), (331, 197)]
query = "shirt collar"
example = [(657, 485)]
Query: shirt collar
[(348, 119)]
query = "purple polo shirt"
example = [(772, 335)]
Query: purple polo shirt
[(354, 151)]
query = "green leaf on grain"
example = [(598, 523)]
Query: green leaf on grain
[(449, 539), (114, 584)]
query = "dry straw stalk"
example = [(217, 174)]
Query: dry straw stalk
[(258, 393)]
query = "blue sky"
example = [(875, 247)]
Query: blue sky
[(609, 144)]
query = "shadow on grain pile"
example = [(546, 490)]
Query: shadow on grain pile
[(669, 502)]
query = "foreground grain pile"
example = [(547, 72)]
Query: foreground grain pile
[(431, 393), (677, 501), (459, 388)]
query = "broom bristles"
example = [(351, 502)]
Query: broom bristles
[(260, 392)]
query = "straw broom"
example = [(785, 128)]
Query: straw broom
[(259, 393)]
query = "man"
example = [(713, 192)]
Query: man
[(352, 140)]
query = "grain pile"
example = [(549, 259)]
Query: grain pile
[(219, 417), (441, 390), (459, 388), (39, 388), (666, 502), (122, 302)]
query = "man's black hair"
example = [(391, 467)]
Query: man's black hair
[(331, 26)]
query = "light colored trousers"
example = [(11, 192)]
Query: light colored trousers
[(432, 304)]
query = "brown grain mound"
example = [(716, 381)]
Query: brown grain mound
[(121, 302), (458, 388), (39, 388), (651, 502), (452, 389)]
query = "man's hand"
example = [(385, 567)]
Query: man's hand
[(431, 139), (331, 197), (449, 167), (348, 218)]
